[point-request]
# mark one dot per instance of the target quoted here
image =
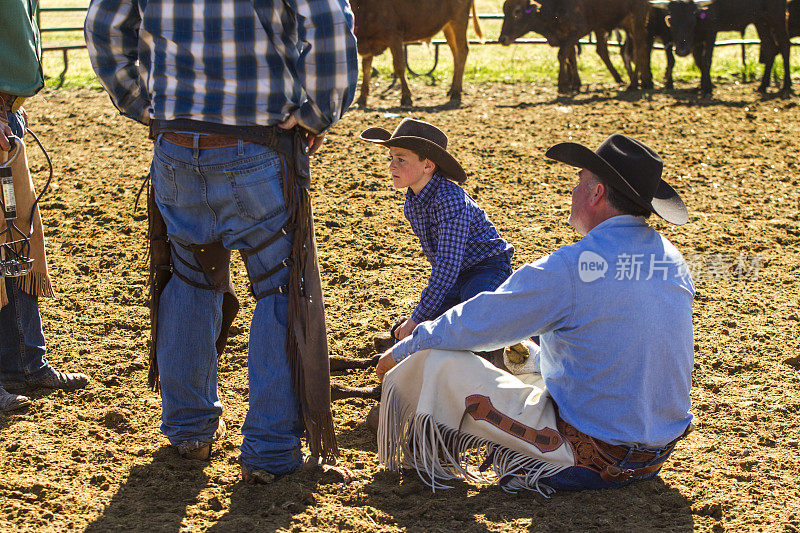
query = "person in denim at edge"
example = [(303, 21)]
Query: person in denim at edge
[(209, 77), (465, 250), (616, 347), (23, 365)]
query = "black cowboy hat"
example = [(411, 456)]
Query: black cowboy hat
[(421, 138), (631, 168)]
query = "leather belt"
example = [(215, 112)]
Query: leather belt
[(204, 141), (600, 456)]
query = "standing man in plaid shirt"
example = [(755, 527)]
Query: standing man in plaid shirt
[(237, 95)]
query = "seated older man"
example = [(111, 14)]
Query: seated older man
[(613, 313)]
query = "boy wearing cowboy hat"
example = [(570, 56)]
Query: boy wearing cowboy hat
[(614, 316), (466, 253)]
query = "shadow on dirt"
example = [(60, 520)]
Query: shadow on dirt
[(266, 507), (685, 97), (159, 492), (400, 110), (646, 506), (174, 493), (358, 436)]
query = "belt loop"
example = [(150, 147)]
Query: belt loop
[(196, 146), (240, 146)]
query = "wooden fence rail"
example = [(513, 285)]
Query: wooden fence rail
[(436, 43)]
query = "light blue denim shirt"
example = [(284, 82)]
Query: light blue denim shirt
[(614, 316)]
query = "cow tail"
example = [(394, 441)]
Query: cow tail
[(476, 23)]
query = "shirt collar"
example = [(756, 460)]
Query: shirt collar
[(427, 191), (619, 221)]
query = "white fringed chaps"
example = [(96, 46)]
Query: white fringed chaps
[(425, 423)]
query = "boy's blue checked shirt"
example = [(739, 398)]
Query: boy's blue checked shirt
[(455, 234)]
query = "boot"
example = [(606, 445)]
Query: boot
[(12, 402)]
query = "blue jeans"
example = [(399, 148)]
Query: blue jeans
[(235, 195), (22, 346), (582, 478), (484, 276)]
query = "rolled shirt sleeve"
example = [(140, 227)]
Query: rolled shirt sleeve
[(327, 66), (112, 39)]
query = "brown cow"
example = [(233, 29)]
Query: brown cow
[(382, 24), (564, 22)]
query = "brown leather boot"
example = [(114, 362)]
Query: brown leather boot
[(12, 402), (61, 380), (201, 450)]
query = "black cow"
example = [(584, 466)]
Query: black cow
[(793, 19), (657, 29), (793, 26), (564, 22), (694, 26)]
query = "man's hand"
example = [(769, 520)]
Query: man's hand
[(5, 133), (314, 141), (385, 363), (405, 329)]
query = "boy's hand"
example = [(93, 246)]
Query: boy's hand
[(406, 329), (385, 363)]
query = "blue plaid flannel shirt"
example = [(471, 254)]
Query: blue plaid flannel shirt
[(455, 234), (236, 62)]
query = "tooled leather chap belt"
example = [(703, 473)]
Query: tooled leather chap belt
[(601, 457)]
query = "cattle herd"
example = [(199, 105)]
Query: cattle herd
[(685, 26)]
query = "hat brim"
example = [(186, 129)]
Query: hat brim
[(447, 163), (666, 202)]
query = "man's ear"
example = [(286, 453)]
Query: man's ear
[(598, 193), (430, 166)]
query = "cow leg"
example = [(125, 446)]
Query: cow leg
[(602, 50), (642, 74), (780, 36), (455, 32), (574, 75), (670, 65), (704, 64), (767, 57), (342, 392), (568, 78), (399, 64), (366, 73), (787, 76), (563, 82), (626, 51), (338, 364)]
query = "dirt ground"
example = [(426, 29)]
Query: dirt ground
[(95, 460)]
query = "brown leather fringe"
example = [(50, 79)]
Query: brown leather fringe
[(37, 284), (306, 340)]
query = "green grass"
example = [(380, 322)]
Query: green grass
[(534, 63)]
